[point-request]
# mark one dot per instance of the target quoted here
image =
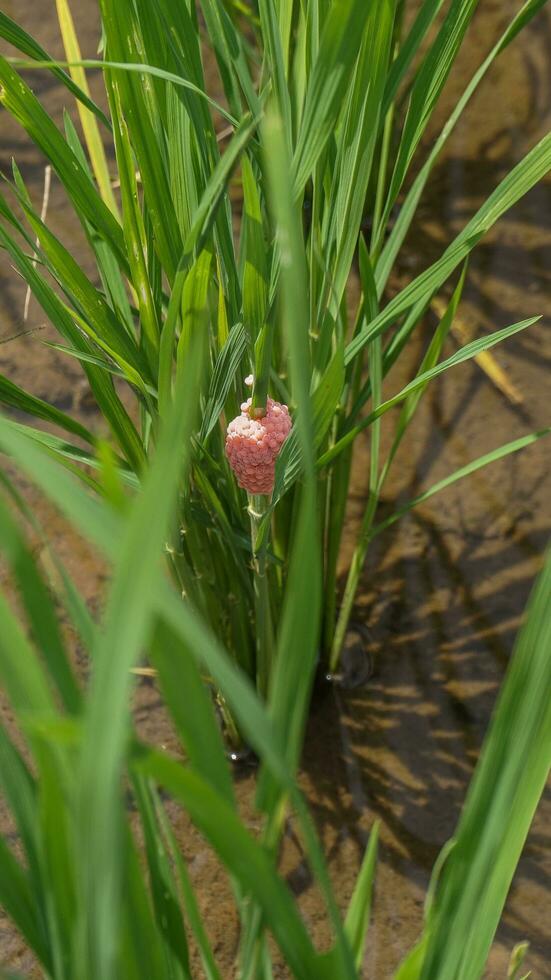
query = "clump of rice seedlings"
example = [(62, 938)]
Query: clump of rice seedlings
[(98, 885), (232, 224)]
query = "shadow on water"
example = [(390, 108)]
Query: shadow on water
[(403, 748)]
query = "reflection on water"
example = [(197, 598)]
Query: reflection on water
[(443, 590)]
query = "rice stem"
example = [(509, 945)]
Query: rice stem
[(258, 505)]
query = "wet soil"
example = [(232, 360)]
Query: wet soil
[(443, 591)]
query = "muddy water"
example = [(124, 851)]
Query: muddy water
[(442, 591)]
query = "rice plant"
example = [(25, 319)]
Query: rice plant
[(87, 901), (235, 224)]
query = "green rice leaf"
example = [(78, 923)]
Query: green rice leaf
[(463, 354), (100, 382), (16, 898), (22, 673), (429, 361), (95, 359), (410, 968), (527, 173), (324, 399), (14, 396), (163, 887), (191, 707), (189, 900), (246, 859), (298, 634), (134, 67), (143, 113), (128, 623), (254, 249), (425, 17), (67, 455), (40, 611), (134, 232), (231, 57), (223, 377), (357, 145), (18, 99), (15, 35), (18, 788), (510, 447), (409, 206), (54, 783), (506, 787), (339, 47), (429, 82), (216, 187), (88, 121), (110, 273), (359, 909), (99, 319), (195, 309), (275, 59)]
